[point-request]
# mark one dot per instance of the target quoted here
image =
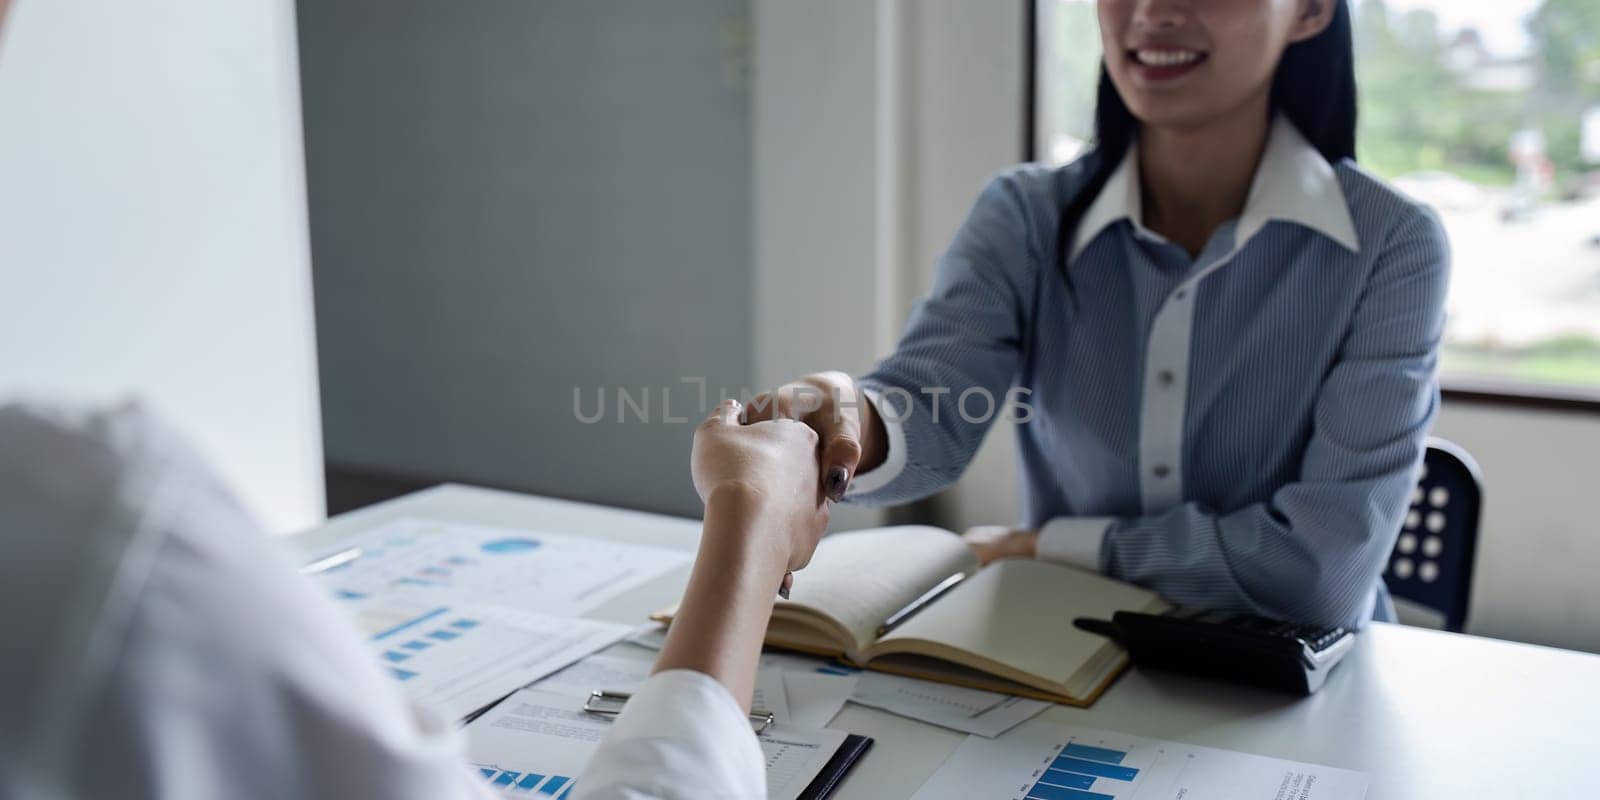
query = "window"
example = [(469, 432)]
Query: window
[(1488, 112)]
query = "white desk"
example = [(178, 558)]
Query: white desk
[(1432, 716)]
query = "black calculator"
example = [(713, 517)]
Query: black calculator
[(1238, 648)]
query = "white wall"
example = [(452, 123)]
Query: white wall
[(1539, 541), (968, 100), (827, 209), (876, 124), (152, 228)]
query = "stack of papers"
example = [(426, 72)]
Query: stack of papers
[(543, 573), (460, 658), (958, 708), (814, 689), (463, 615), (621, 674), (541, 738)]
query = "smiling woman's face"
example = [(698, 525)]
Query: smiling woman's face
[(1186, 63)]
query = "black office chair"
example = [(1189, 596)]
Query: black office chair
[(1433, 558)]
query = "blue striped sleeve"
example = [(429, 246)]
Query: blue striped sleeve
[(965, 337), (1315, 550)]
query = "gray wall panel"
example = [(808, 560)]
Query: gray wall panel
[(512, 198)]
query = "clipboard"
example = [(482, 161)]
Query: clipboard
[(609, 703)]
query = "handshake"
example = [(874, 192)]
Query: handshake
[(780, 460), (778, 463), (759, 447)]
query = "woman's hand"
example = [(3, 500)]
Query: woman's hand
[(764, 474), (994, 542), (764, 514), (849, 429)]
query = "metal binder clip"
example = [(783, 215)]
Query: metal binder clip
[(609, 704)]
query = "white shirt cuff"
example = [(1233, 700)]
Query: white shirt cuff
[(681, 735), (1073, 540), (894, 461)]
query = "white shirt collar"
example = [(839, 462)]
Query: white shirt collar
[(1293, 183)]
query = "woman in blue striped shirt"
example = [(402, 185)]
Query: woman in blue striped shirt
[(1217, 333)]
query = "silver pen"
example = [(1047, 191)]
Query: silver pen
[(326, 563), (922, 602)]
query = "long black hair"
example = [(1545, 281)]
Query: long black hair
[(1314, 87)]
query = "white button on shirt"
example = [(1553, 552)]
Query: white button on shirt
[(156, 644)]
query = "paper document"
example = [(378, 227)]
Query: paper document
[(957, 707), (770, 695), (539, 740), (651, 636), (816, 688), (606, 671), (795, 756), (621, 674), (460, 658), (544, 573), (815, 699), (1041, 761)]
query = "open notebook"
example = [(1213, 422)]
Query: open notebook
[(1006, 627)]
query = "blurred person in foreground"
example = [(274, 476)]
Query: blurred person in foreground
[(155, 643)]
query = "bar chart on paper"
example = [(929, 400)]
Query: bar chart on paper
[(461, 658), (1077, 770), (511, 783), (1040, 761)]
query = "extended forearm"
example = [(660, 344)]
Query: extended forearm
[(723, 618)]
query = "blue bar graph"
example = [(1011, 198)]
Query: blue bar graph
[(1044, 791), (554, 784), (1094, 753), (402, 674), (464, 624), (1071, 780), (1096, 768), (396, 657), (443, 635), (416, 645), (507, 778), (418, 620), (529, 781), (487, 773)]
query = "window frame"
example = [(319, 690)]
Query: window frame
[(1456, 389)]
